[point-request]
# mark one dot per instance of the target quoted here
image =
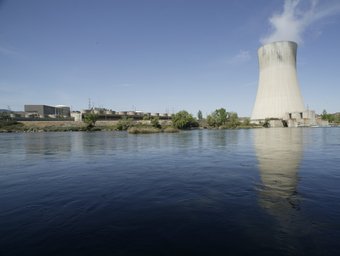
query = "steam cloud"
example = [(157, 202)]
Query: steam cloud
[(291, 24)]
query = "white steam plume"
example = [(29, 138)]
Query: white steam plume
[(291, 24)]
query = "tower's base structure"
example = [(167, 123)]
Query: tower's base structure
[(278, 100)]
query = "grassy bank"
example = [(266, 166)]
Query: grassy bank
[(132, 126), (151, 129), (11, 126)]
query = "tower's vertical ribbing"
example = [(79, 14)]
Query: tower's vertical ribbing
[(278, 90)]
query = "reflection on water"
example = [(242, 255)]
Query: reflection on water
[(279, 153), (46, 143)]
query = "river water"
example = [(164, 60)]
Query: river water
[(220, 192)]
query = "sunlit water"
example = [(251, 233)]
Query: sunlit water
[(233, 192)]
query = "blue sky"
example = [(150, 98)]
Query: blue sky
[(158, 55)]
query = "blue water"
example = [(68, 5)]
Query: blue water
[(223, 192)]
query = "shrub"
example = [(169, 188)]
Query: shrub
[(8, 123), (155, 122), (143, 130), (218, 117), (184, 120), (124, 124), (246, 121), (90, 119), (146, 117), (170, 129)]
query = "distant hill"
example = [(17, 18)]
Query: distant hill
[(5, 110)]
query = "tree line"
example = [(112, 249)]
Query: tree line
[(331, 118), (220, 118)]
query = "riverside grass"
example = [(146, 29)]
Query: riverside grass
[(150, 129), (134, 128)]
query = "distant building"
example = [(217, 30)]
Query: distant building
[(63, 110), (77, 116), (108, 114), (48, 111)]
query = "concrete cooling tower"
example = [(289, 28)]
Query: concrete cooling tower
[(278, 90)]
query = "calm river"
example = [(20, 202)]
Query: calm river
[(233, 192)]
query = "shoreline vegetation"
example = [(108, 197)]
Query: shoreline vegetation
[(182, 120), (133, 129)]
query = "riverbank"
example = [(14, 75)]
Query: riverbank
[(132, 126), (42, 126), (135, 127)]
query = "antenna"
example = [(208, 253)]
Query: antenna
[(89, 103)]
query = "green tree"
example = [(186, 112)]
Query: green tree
[(4, 116), (324, 115), (233, 120), (90, 119), (337, 118), (183, 120), (199, 115), (155, 122), (124, 124), (7, 121), (146, 117), (246, 121), (329, 117), (218, 118)]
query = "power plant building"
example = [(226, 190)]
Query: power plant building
[(48, 111), (278, 95)]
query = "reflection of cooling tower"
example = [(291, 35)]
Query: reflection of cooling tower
[(279, 152), (278, 91)]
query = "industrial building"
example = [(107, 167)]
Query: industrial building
[(48, 111), (278, 96), (108, 114)]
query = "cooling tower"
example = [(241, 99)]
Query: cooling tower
[(278, 90)]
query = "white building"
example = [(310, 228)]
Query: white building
[(278, 89)]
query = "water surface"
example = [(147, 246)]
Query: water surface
[(239, 192)]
